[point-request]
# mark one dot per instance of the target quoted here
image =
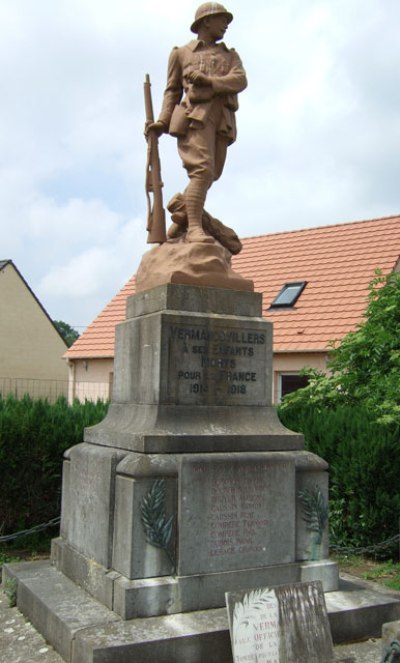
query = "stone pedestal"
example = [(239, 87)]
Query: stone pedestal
[(193, 374), (190, 487)]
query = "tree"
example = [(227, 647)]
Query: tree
[(67, 332), (365, 367), (351, 418)]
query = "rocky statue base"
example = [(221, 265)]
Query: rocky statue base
[(191, 487), (183, 262)]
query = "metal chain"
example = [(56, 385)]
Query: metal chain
[(348, 550), (32, 530), (392, 653)]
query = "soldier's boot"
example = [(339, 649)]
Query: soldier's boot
[(178, 215), (195, 196)]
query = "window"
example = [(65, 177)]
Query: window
[(289, 382), (289, 294)]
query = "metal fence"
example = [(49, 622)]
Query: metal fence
[(90, 391), (53, 389)]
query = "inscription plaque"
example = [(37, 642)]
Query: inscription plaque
[(285, 623), (210, 363), (235, 513)]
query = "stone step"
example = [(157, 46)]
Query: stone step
[(84, 631), (359, 608)]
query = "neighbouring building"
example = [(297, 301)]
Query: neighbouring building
[(314, 284), (31, 348)]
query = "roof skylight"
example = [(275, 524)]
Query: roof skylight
[(289, 294)]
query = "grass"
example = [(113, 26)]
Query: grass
[(386, 573), (10, 590), (36, 546), (7, 557)]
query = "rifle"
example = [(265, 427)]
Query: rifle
[(155, 213)]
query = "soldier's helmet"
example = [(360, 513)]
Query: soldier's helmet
[(209, 9)]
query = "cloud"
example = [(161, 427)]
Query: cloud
[(318, 128), (87, 273), (90, 276)]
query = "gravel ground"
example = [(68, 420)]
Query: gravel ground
[(369, 651), (21, 643)]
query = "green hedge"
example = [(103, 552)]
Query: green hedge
[(33, 437), (364, 460)]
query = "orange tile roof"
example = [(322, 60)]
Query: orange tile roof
[(337, 261), (98, 339)]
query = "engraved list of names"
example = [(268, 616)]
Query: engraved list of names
[(235, 513)]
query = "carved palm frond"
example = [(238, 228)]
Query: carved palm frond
[(315, 509), (246, 610), (157, 527)]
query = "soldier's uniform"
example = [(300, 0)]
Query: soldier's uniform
[(203, 117)]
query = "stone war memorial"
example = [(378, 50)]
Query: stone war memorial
[(190, 488)]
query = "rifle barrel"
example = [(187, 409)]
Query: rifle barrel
[(156, 213)]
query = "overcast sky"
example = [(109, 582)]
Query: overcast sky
[(318, 130)]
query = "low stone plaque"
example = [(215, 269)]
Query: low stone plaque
[(216, 362), (236, 512), (284, 624)]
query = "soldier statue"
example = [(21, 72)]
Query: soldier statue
[(199, 105)]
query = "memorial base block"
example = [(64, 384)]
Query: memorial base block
[(191, 487), (237, 520)]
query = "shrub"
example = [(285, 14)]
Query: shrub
[(351, 417), (364, 369), (364, 461), (34, 435)]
